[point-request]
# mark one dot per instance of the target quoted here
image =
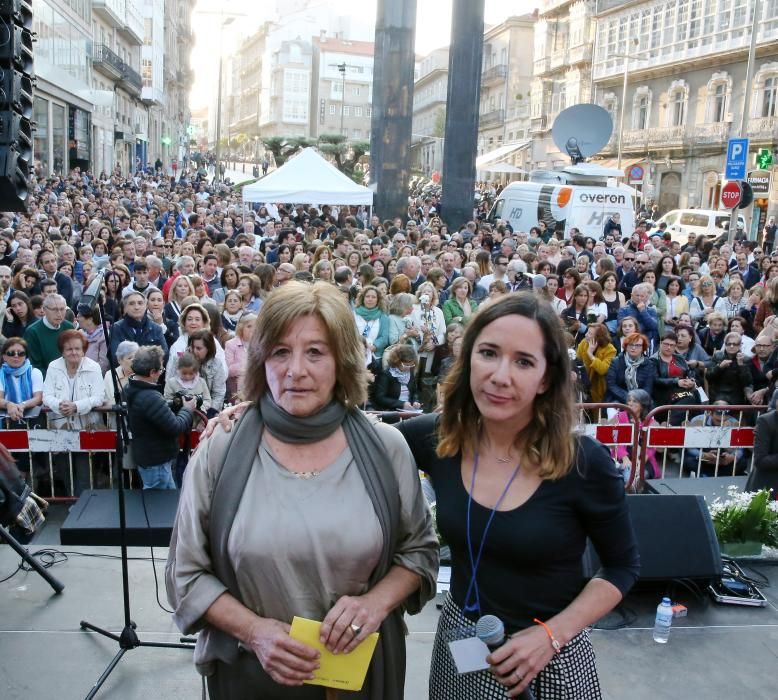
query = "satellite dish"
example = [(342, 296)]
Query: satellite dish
[(581, 131)]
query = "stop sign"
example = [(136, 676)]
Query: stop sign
[(731, 194)]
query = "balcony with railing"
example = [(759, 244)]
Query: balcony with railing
[(542, 65), (763, 128), (495, 74), (133, 28), (713, 134), (655, 137), (111, 11), (579, 54), (107, 62), (131, 80), (493, 118), (558, 59)]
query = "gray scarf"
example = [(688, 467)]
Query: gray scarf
[(631, 373), (387, 669)]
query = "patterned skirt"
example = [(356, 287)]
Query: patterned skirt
[(570, 675)]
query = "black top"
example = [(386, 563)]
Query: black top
[(532, 561)]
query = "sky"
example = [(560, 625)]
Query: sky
[(433, 29)]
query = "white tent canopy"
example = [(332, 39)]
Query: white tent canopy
[(307, 178)]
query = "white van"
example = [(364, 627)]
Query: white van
[(576, 197), (704, 222)]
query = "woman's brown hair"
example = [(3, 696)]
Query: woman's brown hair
[(296, 300), (548, 439)]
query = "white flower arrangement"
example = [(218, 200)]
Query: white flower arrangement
[(746, 517)]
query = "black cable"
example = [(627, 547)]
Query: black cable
[(16, 571), (153, 560)]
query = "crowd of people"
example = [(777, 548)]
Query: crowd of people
[(187, 267), (301, 316)]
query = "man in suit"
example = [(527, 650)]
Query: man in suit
[(764, 473)]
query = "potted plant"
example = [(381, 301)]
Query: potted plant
[(745, 522)]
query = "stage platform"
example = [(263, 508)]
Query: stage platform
[(710, 488), (715, 653)]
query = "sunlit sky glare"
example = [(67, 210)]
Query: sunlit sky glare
[(433, 29)]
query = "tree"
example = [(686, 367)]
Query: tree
[(439, 129), (284, 147), (345, 154)]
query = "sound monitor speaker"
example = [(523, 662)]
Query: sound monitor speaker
[(675, 538)]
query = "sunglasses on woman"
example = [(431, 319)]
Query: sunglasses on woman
[(16, 353)]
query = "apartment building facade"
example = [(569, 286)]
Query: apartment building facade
[(686, 93)]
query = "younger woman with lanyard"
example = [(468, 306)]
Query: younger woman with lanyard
[(517, 497)]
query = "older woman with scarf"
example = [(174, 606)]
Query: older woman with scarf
[(372, 322), (630, 370), (21, 384), (254, 550)]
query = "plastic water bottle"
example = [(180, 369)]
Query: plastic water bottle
[(663, 621)]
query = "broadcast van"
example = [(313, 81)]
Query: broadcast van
[(582, 196)]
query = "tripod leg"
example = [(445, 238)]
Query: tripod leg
[(116, 659), (31, 561)]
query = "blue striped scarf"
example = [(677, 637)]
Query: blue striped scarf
[(24, 375)]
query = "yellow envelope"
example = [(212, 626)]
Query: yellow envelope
[(342, 671)]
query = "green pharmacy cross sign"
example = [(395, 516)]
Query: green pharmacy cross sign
[(764, 159)]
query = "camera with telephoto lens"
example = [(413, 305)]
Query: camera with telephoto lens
[(180, 396)]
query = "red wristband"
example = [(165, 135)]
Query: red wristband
[(554, 641)]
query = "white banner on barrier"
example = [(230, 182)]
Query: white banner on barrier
[(54, 440)]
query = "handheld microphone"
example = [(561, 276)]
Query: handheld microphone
[(491, 631), (89, 298)]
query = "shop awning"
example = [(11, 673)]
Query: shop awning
[(500, 154)]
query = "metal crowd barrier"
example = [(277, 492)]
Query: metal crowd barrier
[(58, 463), (696, 449), (78, 459)]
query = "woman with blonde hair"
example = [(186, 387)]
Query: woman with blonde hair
[(302, 262), (702, 306), (302, 446), (180, 289)]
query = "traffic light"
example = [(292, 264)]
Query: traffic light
[(16, 80), (764, 159)]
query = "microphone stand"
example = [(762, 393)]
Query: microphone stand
[(128, 638), (11, 541)]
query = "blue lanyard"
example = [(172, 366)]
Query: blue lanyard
[(476, 561)]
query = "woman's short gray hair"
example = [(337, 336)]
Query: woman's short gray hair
[(643, 398), (401, 303), (125, 349)]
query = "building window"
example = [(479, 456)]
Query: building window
[(610, 105), (332, 110), (346, 111), (357, 111), (356, 91), (368, 111), (677, 107), (641, 109), (770, 97), (718, 93)]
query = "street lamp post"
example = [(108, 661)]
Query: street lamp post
[(342, 69), (623, 101), (225, 21)]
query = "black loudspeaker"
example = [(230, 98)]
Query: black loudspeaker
[(675, 538)]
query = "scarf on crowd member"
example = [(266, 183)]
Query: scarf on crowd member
[(371, 459), (402, 376), (631, 373), (368, 314), (230, 321), (92, 336), (24, 375)]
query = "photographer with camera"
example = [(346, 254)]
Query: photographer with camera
[(153, 424)]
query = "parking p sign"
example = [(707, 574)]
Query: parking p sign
[(737, 158)]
